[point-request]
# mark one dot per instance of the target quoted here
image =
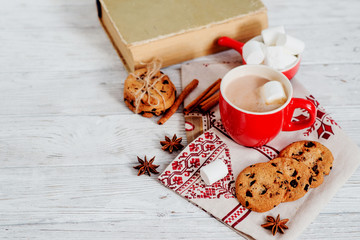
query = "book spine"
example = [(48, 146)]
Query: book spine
[(98, 6)]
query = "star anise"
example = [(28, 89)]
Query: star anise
[(275, 224), (146, 166), (171, 144)]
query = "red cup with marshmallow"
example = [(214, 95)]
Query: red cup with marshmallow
[(273, 48), (253, 129)]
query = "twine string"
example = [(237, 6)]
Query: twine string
[(152, 69)]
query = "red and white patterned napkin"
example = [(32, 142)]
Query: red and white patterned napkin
[(211, 142)]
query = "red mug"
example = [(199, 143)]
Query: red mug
[(254, 129)]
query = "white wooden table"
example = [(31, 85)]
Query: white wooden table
[(68, 142)]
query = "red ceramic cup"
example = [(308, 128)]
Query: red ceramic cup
[(289, 72), (258, 128)]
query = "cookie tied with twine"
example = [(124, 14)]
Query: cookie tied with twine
[(148, 91)]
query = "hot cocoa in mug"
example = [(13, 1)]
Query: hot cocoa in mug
[(245, 93), (247, 117)]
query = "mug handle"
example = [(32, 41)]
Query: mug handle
[(295, 103)]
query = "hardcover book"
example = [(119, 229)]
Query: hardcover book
[(177, 30)]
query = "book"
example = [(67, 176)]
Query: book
[(177, 30)]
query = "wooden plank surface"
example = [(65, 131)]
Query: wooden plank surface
[(68, 142)]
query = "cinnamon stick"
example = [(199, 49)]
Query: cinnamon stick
[(186, 91), (210, 102), (204, 95), (206, 101)]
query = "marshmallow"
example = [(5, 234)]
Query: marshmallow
[(277, 58), (293, 45), (270, 35), (273, 92), (213, 172), (288, 60), (253, 52)]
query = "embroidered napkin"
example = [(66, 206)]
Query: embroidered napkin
[(211, 142)]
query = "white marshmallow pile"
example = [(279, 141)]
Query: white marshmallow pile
[(277, 49), (213, 172), (273, 92), (270, 35), (253, 52)]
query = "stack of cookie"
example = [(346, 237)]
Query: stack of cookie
[(299, 166), (149, 92)]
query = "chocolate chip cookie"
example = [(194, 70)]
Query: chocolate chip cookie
[(261, 187), (146, 95), (299, 175), (314, 155)]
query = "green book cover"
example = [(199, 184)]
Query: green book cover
[(143, 20), (177, 30)]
